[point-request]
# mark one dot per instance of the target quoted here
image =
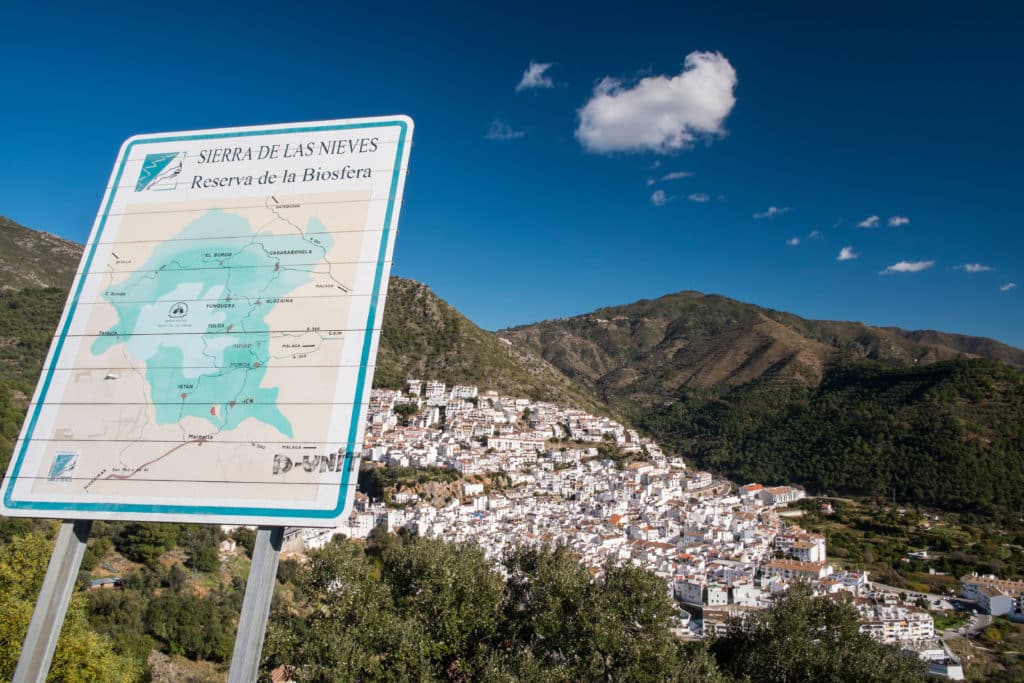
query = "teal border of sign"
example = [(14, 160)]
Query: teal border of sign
[(360, 381)]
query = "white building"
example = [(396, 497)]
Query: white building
[(995, 596), (894, 624), (463, 392), (792, 570), (780, 495), (434, 389)]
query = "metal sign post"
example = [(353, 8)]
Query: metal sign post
[(48, 617), (259, 590)]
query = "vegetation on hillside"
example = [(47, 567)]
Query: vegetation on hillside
[(879, 537), (28, 319), (82, 654), (948, 435), (378, 482)]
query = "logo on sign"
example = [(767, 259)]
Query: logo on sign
[(62, 466), (178, 310), (160, 171)]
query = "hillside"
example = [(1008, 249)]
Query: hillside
[(948, 435), (35, 259), (649, 351), (756, 394), (424, 336)]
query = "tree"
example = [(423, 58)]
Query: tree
[(452, 595), (405, 411), (992, 636), (120, 615), (565, 623), (246, 538), (287, 570), (146, 541), (353, 631), (804, 638), (200, 628), (380, 542), (202, 542), (176, 578), (82, 655)]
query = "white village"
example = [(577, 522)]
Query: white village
[(529, 472)]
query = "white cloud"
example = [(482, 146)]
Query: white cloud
[(908, 267), (869, 222), (534, 77), (500, 130), (846, 254), (974, 267), (659, 198), (793, 241), (660, 113), (699, 197), (814, 235), (772, 212), (1008, 286), (674, 175), (897, 221)]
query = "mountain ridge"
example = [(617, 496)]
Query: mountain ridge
[(30, 258), (651, 350)]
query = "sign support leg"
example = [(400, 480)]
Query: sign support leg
[(48, 617), (259, 589)]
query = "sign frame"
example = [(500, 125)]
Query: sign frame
[(200, 513)]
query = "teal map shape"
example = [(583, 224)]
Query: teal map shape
[(212, 300)]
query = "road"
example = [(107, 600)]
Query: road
[(935, 601), (978, 623)]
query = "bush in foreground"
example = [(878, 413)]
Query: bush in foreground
[(425, 610)]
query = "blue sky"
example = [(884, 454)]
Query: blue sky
[(831, 116)]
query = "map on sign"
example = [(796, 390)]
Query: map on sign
[(215, 356)]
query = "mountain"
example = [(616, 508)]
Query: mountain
[(650, 351), (35, 259), (839, 407)]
